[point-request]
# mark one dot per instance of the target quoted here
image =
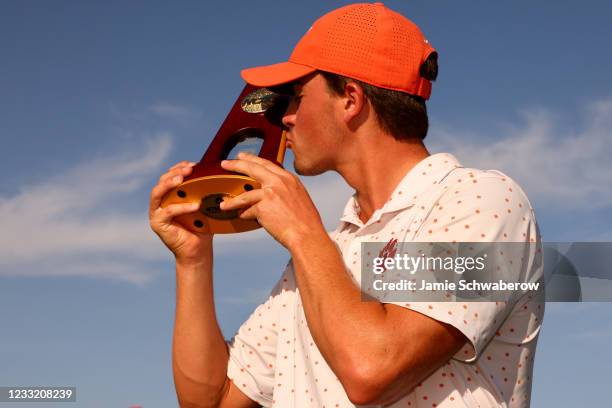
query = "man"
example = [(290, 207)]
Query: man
[(360, 75)]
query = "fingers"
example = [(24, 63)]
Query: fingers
[(184, 163), (263, 171), (246, 199), (160, 190), (274, 168), (257, 171), (178, 170), (167, 214), (172, 178), (250, 213)]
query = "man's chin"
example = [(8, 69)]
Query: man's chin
[(303, 170)]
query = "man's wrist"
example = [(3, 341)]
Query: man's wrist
[(310, 238), (201, 258), (193, 264)]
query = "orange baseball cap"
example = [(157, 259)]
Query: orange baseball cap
[(365, 41)]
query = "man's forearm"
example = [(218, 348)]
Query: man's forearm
[(343, 326), (199, 351), (378, 352)]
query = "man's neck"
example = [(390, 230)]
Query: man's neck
[(376, 170)]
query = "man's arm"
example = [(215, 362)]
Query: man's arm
[(378, 351), (199, 353), (388, 349)]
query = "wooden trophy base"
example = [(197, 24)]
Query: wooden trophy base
[(210, 191)]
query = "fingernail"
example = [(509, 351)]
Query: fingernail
[(192, 163), (176, 179)]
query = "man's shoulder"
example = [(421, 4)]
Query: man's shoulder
[(488, 187), (467, 175)]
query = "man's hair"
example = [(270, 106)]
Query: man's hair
[(399, 114)]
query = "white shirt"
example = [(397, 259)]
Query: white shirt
[(275, 362)]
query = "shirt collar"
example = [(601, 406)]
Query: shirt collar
[(427, 173)]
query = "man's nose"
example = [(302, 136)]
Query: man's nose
[(289, 117)]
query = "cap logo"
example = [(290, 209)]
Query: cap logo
[(258, 101)]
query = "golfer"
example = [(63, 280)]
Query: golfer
[(360, 78)]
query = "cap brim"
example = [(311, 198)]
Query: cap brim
[(276, 74)]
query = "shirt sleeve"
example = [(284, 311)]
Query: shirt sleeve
[(489, 208), (252, 350)]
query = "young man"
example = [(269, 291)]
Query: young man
[(361, 75)]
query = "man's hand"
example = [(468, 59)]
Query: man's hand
[(282, 205), (188, 247)]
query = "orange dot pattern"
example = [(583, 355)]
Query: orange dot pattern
[(275, 361)]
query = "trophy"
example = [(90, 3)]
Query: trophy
[(255, 119)]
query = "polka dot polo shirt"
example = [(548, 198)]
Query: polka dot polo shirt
[(275, 362)]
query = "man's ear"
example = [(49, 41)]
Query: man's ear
[(354, 101)]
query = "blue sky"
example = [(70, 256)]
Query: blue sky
[(97, 99)]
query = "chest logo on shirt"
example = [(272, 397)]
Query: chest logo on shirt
[(389, 250)]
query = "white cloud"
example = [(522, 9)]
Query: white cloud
[(174, 111), (65, 224), (559, 166)]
